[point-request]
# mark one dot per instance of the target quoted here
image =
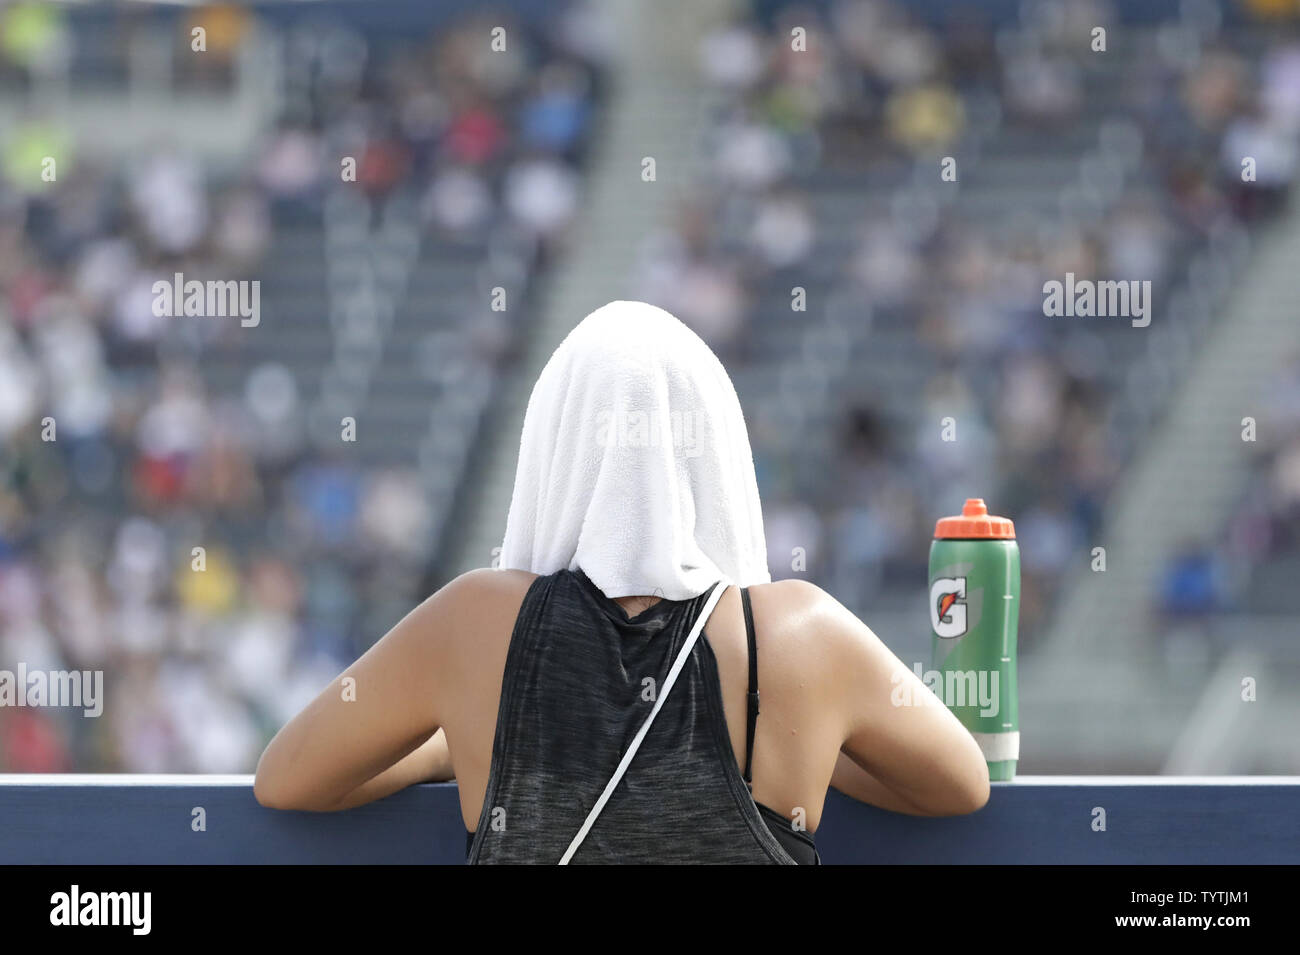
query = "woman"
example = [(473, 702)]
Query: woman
[(598, 697)]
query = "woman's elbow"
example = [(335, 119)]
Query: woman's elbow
[(272, 789), (971, 793), (268, 793), (964, 790), (976, 796), (969, 789)]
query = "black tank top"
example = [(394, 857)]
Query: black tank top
[(580, 680)]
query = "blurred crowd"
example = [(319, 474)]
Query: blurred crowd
[(875, 87), (117, 462), (1251, 561), (198, 547)]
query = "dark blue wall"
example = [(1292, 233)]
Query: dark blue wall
[(1000, 12), (149, 821)]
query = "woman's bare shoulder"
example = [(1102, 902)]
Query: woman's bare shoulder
[(483, 593), (791, 603), (486, 581), (468, 613), (799, 617)]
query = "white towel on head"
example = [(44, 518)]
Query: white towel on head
[(634, 463)]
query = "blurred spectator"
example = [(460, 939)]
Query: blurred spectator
[(1192, 584)]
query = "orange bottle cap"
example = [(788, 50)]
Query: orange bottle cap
[(975, 522)]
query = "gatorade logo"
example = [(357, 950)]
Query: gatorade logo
[(947, 616)]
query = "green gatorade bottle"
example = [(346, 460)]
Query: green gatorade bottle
[(974, 606)]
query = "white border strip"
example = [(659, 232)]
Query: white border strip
[(121, 779), (182, 779), (1156, 781)]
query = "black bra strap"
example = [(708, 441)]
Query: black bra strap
[(753, 683)]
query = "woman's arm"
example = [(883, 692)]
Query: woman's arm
[(903, 749), (430, 762), (856, 783), (376, 728)]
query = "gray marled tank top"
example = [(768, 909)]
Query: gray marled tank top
[(579, 681)]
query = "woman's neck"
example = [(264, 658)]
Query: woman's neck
[(635, 605)]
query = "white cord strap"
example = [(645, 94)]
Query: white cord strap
[(645, 727)]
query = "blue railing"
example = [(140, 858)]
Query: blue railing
[(81, 820)]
